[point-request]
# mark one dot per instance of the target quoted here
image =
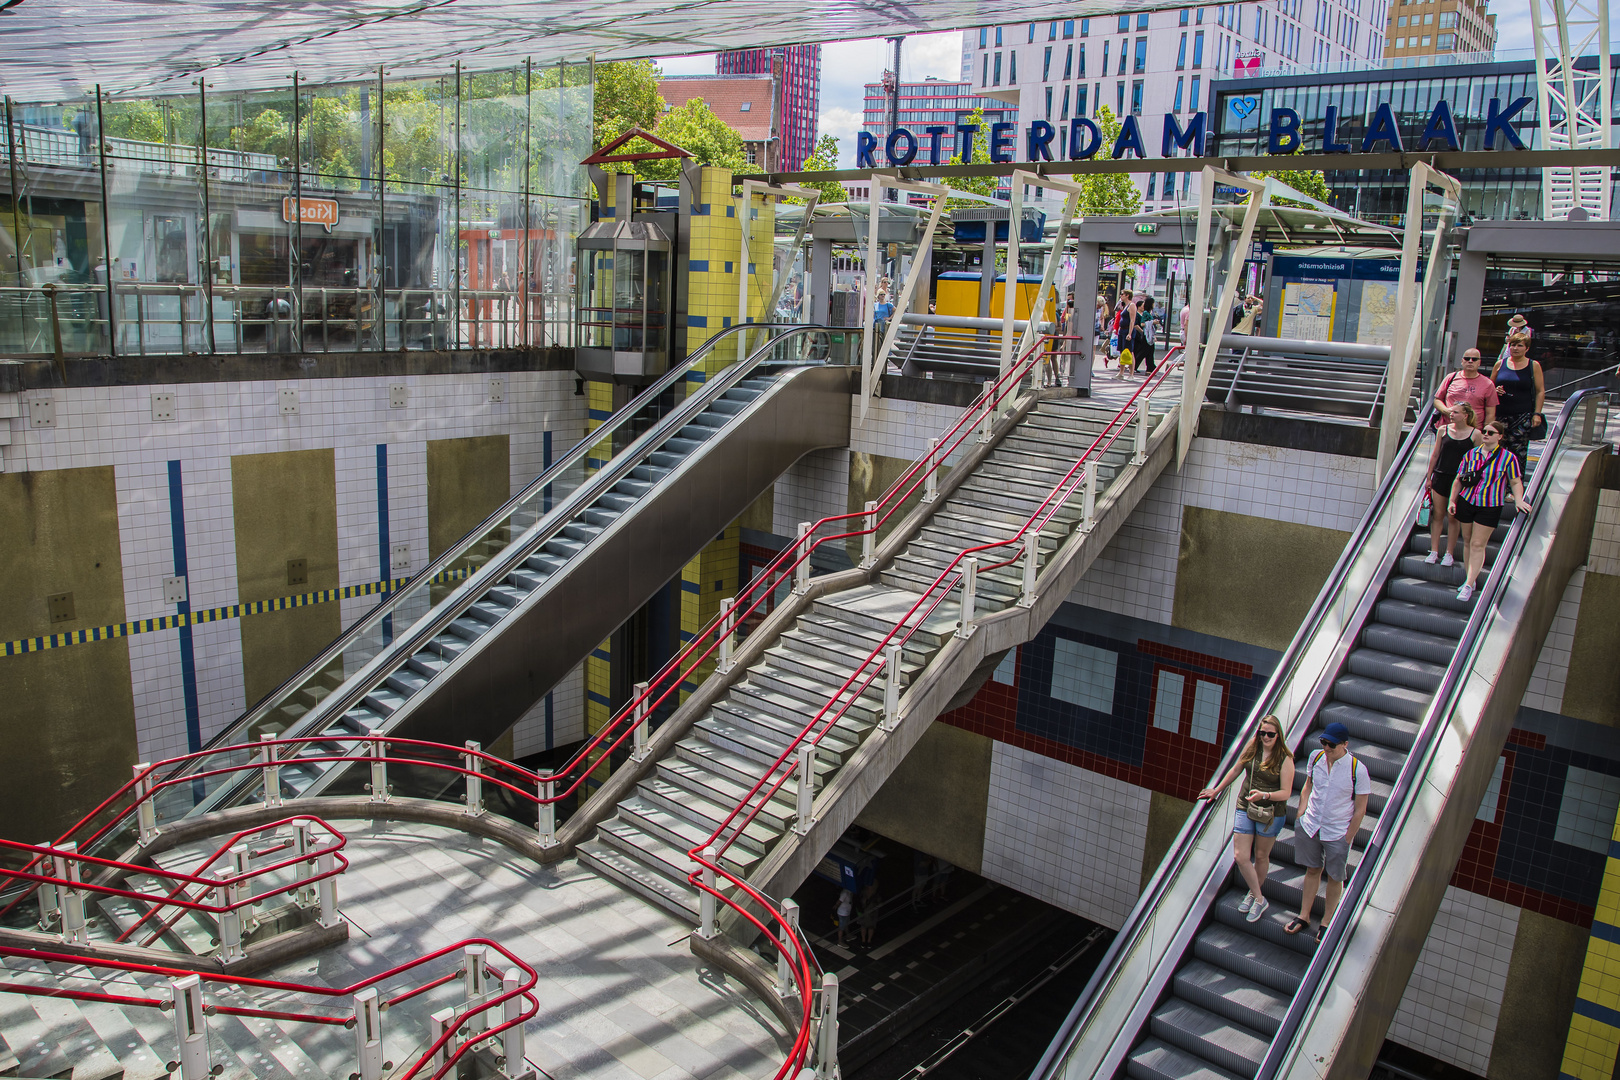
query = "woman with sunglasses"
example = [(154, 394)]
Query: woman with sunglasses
[(1262, 808), (1521, 394), (1479, 492)]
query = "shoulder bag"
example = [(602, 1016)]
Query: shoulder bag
[(1260, 811)]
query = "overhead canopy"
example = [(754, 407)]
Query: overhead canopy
[(61, 49)]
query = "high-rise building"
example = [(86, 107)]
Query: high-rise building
[(1419, 28), (798, 72), (932, 101), (1152, 63)]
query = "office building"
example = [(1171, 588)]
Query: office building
[(797, 69)]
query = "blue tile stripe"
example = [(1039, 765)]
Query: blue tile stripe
[(188, 650), (1601, 1013), (1606, 931), (385, 557), (184, 619), (600, 699)]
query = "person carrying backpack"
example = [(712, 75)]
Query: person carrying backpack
[(1145, 334), (1332, 804)]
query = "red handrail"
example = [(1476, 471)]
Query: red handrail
[(524, 991)]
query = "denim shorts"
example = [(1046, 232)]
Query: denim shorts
[(1242, 823)]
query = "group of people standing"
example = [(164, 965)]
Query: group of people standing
[(1129, 331)]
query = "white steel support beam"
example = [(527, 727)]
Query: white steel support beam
[(874, 358), (1199, 364), (1573, 102), (1009, 303), (750, 188)]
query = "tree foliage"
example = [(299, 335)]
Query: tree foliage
[(626, 96), (695, 128), (1108, 194), (976, 185), (1305, 181), (824, 159)]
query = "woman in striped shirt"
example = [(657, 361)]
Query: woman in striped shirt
[(1493, 471)]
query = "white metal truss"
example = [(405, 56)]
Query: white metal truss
[(745, 279), (875, 355), (1574, 101)]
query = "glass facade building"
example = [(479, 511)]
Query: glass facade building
[(1241, 112), (421, 214)]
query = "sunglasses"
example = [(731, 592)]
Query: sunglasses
[(1492, 432), (1268, 734), (1328, 743)]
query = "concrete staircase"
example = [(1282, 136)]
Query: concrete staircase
[(691, 790)]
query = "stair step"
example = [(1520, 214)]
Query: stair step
[(738, 768), (682, 834), (1156, 1059), (1214, 1038), (703, 814), (1231, 996), (1252, 957), (615, 865)]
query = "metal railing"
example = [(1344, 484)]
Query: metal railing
[(498, 1002), (224, 894)]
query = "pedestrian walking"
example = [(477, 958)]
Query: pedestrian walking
[(1146, 334), (1124, 331), (1332, 804), (1469, 386), (1480, 489), (845, 908), (1105, 322), (1262, 808), (1522, 393), (1185, 318), (867, 912), (1450, 444)]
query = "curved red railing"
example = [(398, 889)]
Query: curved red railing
[(176, 897), (524, 992)]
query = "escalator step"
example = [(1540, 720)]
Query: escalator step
[(1250, 956), (1369, 725), (1429, 620), (1380, 695), (665, 459), (470, 629), (1399, 639), (678, 445), (506, 595), (1428, 593), (1227, 1045), (1231, 996), (1397, 669)]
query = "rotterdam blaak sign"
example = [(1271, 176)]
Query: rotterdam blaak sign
[(903, 146)]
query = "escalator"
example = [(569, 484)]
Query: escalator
[(1427, 685), (463, 650)]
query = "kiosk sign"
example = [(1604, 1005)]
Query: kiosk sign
[(322, 212)]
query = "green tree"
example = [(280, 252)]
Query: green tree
[(974, 185), (1108, 194), (1305, 181), (693, 127), (824, 159), (626, 96)]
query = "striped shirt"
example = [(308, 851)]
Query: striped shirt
[(1497, 471)]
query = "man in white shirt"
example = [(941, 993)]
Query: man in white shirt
[(1334, 801)]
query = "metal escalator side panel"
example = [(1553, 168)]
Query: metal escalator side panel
[(1346, 1023), (1112, 1014), (491, 684)]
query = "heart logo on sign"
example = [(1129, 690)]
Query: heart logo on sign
[(1245, 106)]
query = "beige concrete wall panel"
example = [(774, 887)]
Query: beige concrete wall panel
[(1592, 688), (937, 799), (1250, 579), (1540, 995), (285, 509), (1166, 815), (69, 712), (467, 480)]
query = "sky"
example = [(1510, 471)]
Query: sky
[(846, 68)]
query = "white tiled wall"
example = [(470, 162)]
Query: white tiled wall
[(815, 488), (1136, 574), (215, 421), (1451, 1004), (1065, 835), (1605, 558), (900, 429), (1546, 688)]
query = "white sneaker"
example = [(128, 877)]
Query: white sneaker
[(1258, 909), (1432, 557), (1465, 593), (1248, 902), (1447, 560)]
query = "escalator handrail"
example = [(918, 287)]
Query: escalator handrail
[(1327, 953), (427, 627), (551, 475), (1147, 903)]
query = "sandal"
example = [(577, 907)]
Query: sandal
[(1321, 932), (1296, 924)]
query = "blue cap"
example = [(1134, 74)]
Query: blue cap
[(1335, 733)]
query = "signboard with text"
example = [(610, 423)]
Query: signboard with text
[(322, 212)]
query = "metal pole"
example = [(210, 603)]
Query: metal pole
[(379, 771), (706, 897), (71, 899), (931, 472), (513, 1044), (475, 980), (638, 741), (528, 146), (869, 535), (801, 573), (723, 664), (891, 687), (145, 812), (16, 191), (475, 779), (547, 825), (455, 235), (827, 1048), (1032, 554), (272, 771), (230, 920), (305, 894), (50, 897), (785, 986), (207, 267), (106, 230), (1140, 456), (368, 1044), (191, 1028), (327, 887), (807, 789), (242, 860), (295, 251), (1088, 510), (970, 578)]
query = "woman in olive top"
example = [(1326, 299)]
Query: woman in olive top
[(1262, 808), (1521, 393)]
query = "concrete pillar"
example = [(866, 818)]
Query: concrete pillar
[(821, 280), (1469, 298), (1087, 259)]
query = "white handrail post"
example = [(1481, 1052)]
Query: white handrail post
[(191, 1028), (327, 890), (807, 789), (723, 664), (475, 980), (931, 472), (145, 811), (272, 771), (869, 535), (785, 986), (1032, 554), (443, 1024), (547, 826), (74, 931), (368, 1045), (50, 897), (827, 1045), (1088, 507), (230, 920), (475, 779), (970, 582), (242, 862), (706, 929), (305, 894), (638, 732), (801, 572), (1140, 455), (379, 771), (891, 686), (989, 419), (513, 1045)]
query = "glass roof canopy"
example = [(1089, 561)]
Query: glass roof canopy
[(61, 49)]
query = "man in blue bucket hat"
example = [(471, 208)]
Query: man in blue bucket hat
[(1332, 805)]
